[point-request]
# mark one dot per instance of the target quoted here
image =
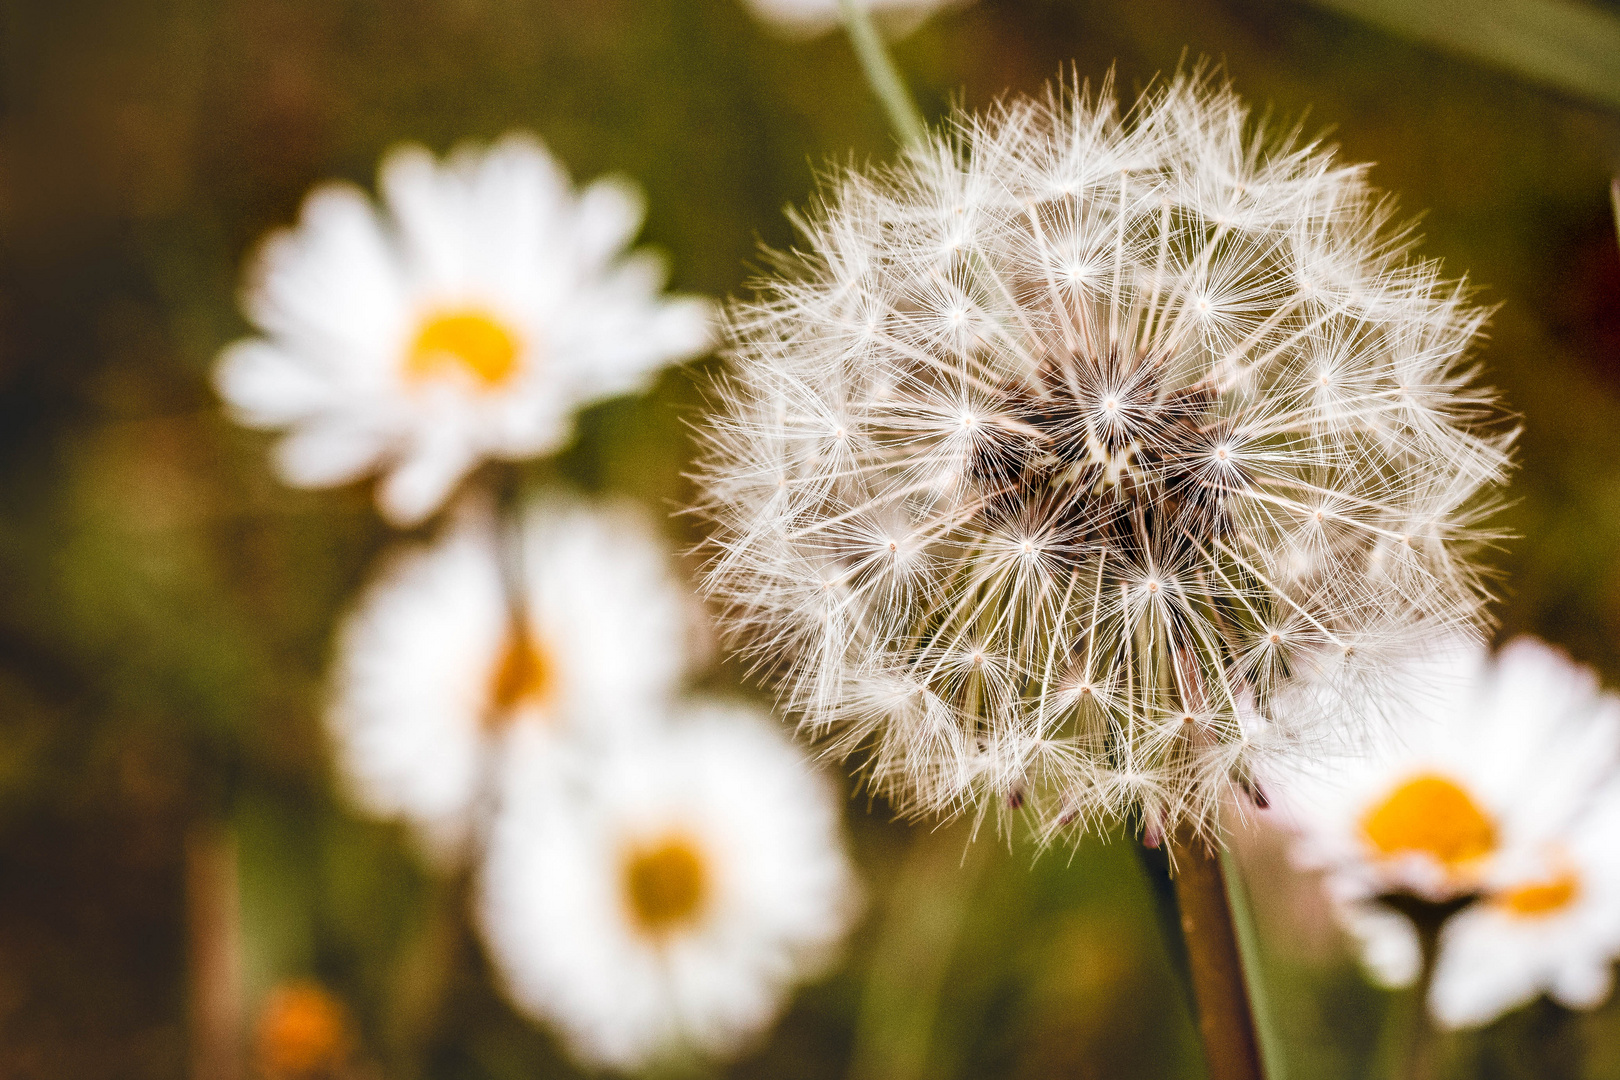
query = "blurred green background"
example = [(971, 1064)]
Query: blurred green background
[(166, 606)]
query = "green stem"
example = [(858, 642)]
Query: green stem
[(1225, 1019), (910, 959), (425, 983), (881, 74), (1248, 936), (1411, 1050)]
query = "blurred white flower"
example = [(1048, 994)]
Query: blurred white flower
[(801, 18), (1504, 781), (668, 906), (468, 320), (435, 669), (1060, 448)]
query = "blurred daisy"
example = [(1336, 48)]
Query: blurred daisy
[(437, 666), (1508, 791), (466, 320), (668, 911), (800, 18)]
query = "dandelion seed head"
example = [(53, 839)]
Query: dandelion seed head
[(1161, 413)]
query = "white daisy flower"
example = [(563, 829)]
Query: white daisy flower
[(1060, 448), (466, 320), (803, 18), (667, 910), (435, 667), (1505, 782)]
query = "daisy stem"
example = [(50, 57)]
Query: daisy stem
[(1225, 1018), (1411, 1049), (881, 74), (426, 979)]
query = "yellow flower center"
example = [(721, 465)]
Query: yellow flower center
[(666, 884), (1541, 898), (524, 676), (1430, 815), (303, 1030), (464, 342)]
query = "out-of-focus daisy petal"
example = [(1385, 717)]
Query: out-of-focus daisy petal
[(330, 287), (328, 453), (804, 18), (610, 214), (424, 477), (273, 388)]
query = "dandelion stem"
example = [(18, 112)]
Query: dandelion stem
[(1225, 1019), (881, 74)]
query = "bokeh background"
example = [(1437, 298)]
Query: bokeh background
[(166, 606)]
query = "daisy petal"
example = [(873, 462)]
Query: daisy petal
[(268, 387), (610, 213), (326, 454)]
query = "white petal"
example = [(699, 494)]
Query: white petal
[(327, 454), (267, 387), (428, 206), (519, 200), (684, 328), (420, 483), (610, 213), (1583, 984), (330, 289)]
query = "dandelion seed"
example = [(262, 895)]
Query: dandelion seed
[(1505, 782), (669, 908), (469, 320), (436, 669), (1161, 349)]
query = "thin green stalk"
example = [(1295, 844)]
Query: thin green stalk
[(881, 74), (1410, 1045), (1248, 936), (895, 1033)]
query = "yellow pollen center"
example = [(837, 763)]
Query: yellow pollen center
[(465, 342), (1541, 898), (667, 885), (1431, 815), (524, 676)]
